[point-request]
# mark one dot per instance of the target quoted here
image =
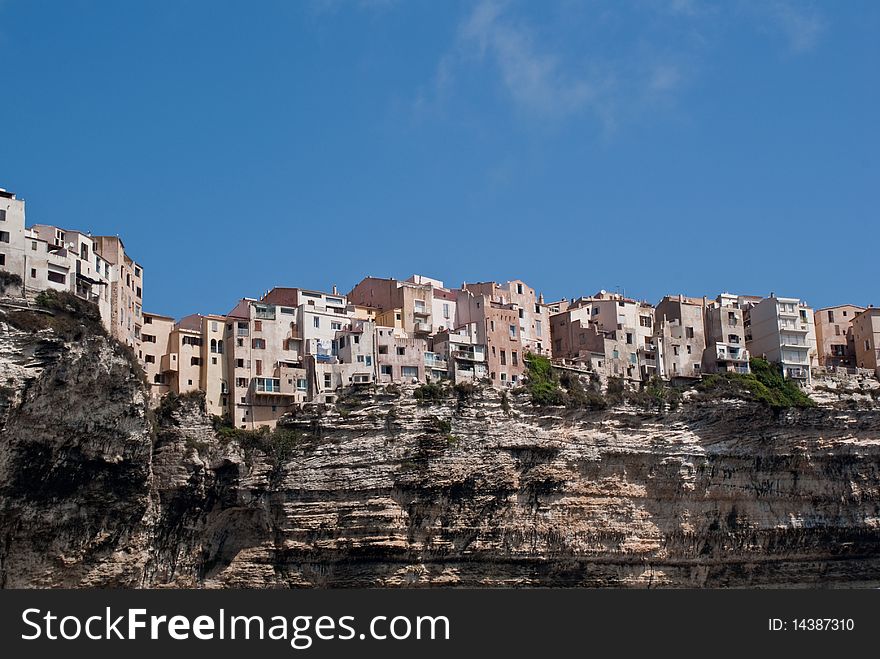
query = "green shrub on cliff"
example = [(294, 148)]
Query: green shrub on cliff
[(765, 384)]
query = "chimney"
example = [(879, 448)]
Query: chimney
[(334, 290), (540, 298)]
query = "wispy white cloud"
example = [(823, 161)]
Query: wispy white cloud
[(538, 79), (801, 25)]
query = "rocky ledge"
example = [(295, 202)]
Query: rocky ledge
[(468, 489)]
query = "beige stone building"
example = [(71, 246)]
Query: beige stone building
[(609, 333), (155, 346), (533, 316), (834, 338), (266, 374), (866, 337), (126, 291), (725, 336), (400, 358), (411, 302), (680, 337), (498, 328)]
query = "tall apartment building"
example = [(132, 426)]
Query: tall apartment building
[(609, 333), (533, 316), (725, 336), (680, 336), (126, 291), (498, 328), (263, 345), (782, 330), (12, 228), (834, 337), (866, 338), (155, 345)]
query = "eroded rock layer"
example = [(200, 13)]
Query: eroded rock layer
[(95, 490)]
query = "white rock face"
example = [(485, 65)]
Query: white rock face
[(389, 492)]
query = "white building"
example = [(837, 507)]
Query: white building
[(782, 331)]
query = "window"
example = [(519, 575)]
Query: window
[(4, 236), (34, 245), (148, 338), (241, 382), (385, 369), (357, 339), (397, 316), (830, 316), (522, 313), (360, 359), (503, 358), (837, 330), (2, 215), (446, 311), (492, 325), (258, 344), (239, 363), (341, 342), (137, 272), (258, 325), (369, 360), (214, 360), (633, 358), (139, 292), (401, 350), (383, 350), (3, 260), (288, 310), (514, 358), (512, 330), (259, 366), (33, 273), (148, 320), (301, 384), (645, 321), (689, 332), (409, 371), (689, 348), (150, 359), (195, 361), (539, 331), (674, 350), (328, 380), (519, 289), (335, 326), (629, 338), (316, 321), (214, 345)]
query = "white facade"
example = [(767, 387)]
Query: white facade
[(782, 330)]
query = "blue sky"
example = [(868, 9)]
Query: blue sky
[(655, 146)]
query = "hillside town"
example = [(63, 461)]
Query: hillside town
[(291, 345)]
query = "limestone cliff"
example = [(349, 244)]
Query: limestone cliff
[(96, 490)]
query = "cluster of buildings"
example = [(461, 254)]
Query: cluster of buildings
[(293, 345), (95, 268)]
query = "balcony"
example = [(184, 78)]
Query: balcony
[(723, 355), (467, 355), (797, 373), (168, 363), (424, 328), (435, 362)]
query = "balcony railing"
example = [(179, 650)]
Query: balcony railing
[(467, 355), (423, 327)]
